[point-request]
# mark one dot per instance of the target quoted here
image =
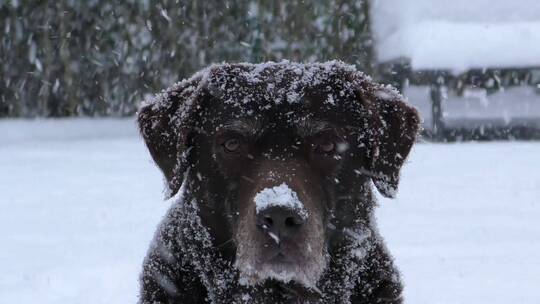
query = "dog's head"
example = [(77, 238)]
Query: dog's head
[(280, 157)]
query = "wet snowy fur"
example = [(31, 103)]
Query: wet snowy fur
[(183, 262), (184, 266)]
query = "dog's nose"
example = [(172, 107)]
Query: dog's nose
[(279, 220)]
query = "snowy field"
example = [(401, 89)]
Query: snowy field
[(80, 200)]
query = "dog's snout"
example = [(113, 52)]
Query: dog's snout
[(279, 220)]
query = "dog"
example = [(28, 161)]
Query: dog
[(270, 168)]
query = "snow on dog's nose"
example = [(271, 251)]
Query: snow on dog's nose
[(280, 196), (279, 212)]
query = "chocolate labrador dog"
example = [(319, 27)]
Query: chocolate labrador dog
[(270, 169)]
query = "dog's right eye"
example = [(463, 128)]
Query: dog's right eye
[(231, 145)]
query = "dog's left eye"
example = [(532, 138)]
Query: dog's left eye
[(327, 146), (231, 145)]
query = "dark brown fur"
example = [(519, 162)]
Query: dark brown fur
[(203, 245)]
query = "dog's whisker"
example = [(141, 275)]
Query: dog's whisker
[(248, 179), (362, 171), (344, 197), (331, 226), (225, 243)]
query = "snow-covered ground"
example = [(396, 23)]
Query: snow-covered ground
[(80, 199)]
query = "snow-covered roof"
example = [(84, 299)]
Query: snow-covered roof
[(458, 35)]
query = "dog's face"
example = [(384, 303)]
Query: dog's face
[(281, 165), (281, 168)]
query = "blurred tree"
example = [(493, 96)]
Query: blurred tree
[(96, 58)]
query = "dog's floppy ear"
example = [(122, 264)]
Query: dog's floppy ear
[(393, 130), (165, 128)]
